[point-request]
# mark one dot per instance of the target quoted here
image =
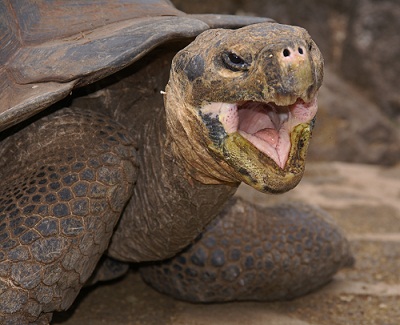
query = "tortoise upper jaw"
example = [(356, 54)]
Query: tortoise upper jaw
[(266, 126)]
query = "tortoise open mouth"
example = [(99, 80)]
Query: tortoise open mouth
[(267, 126)]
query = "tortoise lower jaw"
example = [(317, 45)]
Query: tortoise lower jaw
[(259, 170), (266, 127)]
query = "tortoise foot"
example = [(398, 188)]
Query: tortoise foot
[(108, 269), (250, 253), (66, 179)]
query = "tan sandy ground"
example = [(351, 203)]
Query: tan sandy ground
[(365, 201)]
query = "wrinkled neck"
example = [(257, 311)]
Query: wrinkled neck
[(191, 143), (169, 207)]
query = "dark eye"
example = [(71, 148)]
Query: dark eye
[(234, 62)]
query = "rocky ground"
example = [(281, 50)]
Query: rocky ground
[(364, 200)]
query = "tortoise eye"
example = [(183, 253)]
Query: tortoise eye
[(234, 62)]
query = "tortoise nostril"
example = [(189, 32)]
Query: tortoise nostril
[(286, 52), (300, 50)]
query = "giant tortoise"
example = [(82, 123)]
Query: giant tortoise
[(127, 126)]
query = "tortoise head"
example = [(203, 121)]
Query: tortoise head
[(241, 104)]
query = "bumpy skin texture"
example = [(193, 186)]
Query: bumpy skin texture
[(157, 169), (166, 210), (68, 177), (250, 253)]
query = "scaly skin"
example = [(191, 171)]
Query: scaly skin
[(249, 253), (166, 211), (69, 176), (66, 179)]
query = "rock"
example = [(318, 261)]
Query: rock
[(371, 52), (351, 128)]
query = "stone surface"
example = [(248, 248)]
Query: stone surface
[(364, 200), (350, 127), (371, 51)]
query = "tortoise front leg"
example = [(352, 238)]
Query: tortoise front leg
[(253, 253), (65, 180)]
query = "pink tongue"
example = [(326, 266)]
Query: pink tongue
[(270, 136)]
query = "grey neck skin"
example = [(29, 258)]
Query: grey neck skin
[(168, 208)]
